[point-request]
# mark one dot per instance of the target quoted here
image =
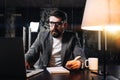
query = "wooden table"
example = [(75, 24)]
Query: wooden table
[(73, 75), (84, 74)]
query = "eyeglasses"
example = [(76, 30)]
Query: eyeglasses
[(55, 23)]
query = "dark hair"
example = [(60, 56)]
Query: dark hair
[(59, 14)]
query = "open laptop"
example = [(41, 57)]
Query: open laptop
[(12, 64)]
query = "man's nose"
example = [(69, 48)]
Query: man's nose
[(54, 26)]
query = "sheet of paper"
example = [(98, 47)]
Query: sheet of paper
[(57, 70)]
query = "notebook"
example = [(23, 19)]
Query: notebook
[(12, 64), (54, 70)]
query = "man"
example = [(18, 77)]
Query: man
[(55, 47)]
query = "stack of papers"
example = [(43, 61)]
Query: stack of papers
[(57, 70)]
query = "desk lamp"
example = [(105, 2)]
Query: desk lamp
[(102, 16)]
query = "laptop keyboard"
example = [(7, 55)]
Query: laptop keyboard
[(30, 73)]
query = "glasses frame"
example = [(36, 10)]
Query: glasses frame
[(51, 23)]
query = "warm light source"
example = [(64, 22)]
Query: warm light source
[(101, 15)]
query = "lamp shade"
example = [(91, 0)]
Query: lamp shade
[(101, 15)]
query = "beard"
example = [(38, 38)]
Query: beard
[(56, 33)]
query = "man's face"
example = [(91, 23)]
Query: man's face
[(56, 26)]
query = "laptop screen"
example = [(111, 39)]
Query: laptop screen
[(12, 64)]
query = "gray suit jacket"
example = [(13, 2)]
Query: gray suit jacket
[(42, 48)]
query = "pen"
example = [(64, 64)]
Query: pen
[(77, 58)]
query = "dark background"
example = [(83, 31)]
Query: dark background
[(19, 13), (14, 14)]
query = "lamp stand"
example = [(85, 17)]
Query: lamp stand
[(103, 75)]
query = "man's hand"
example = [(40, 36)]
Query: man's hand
[(73, 64)]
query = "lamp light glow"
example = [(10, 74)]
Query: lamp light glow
[(101, 15)]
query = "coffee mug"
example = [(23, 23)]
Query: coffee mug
[(92, 63)]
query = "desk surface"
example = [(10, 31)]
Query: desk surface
[(84, 74), (77, 75)]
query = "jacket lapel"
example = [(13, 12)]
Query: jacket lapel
[(47, 49), (64, 51)]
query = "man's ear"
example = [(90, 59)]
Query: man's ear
[(65, 26)]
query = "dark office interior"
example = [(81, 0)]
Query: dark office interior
[(16, 14)]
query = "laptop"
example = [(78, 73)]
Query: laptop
[(12, 64)]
